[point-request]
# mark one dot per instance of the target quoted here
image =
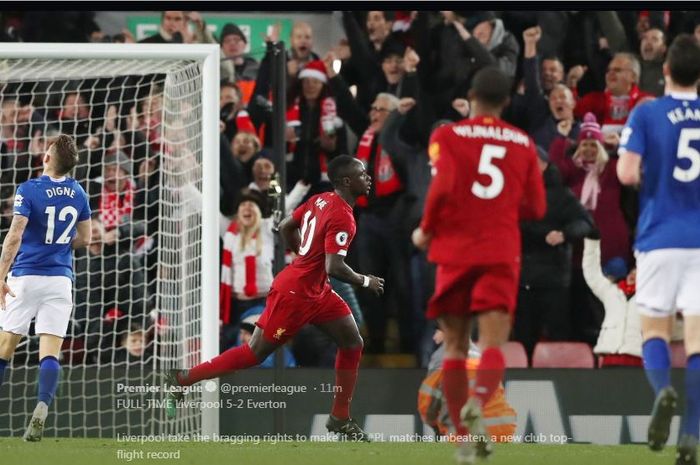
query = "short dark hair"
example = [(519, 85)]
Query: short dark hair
[(66, 152), (339, 167), (389, 16), (683, 60), (491, 86), (553, 57)]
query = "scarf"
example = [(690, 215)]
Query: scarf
[(590, 190), (232, 243), (116, 205), (328, 116), (618, 109), (385, 180)]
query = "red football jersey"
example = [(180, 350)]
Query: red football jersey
[(327, 227), (487, 179)]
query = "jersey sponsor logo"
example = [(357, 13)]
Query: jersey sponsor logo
[(341, 238), (18, 200), (279, 333)]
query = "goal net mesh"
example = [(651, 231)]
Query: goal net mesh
[(138, 126)]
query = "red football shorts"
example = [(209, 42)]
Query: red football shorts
[(286, 313), (461, 289)]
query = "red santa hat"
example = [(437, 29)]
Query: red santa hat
[(314, 69)]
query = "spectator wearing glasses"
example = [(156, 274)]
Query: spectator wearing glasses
[(612, 106)]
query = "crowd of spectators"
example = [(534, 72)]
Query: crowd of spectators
[(377, 94)]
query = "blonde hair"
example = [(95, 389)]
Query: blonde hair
[(254, 231), (601, 158)]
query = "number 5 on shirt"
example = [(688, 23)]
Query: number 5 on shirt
[(488, 153)]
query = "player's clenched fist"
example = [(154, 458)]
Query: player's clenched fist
[(376, 284), (420, 239)]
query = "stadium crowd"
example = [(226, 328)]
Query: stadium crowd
[(377, 95)]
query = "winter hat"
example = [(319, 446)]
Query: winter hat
[(392, 48), (477, 17), (119, 159), (232, 29), (257, 197), (590, 129), (616, 267), (314, 69), (113, 314)]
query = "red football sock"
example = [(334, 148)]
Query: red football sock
[(233, 359), (489, 374), (347, 362), (455, 389)]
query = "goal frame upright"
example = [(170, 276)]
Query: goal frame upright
[(208, 55)]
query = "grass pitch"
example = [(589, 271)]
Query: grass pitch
[(107, 452)]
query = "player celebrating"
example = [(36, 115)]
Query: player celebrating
[(301, 294), (487, 179), (47, 213), (662, 140)]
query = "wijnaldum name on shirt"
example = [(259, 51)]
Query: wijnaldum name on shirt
[(491, 132)]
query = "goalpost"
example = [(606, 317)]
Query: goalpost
[(151, 114)]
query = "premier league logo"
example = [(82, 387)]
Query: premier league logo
[(341, 238)]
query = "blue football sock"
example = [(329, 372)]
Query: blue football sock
[(3, 364), (49, 371), (691, 424), (657, 363)]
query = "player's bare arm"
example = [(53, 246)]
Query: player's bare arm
[(289, 229), (9, 251), (83, 235), (628, 168), (337, 268)]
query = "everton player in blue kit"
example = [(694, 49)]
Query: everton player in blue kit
[(51, 217), (660, 151)]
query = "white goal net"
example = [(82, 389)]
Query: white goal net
[(144, 291)]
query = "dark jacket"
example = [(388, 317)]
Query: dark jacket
[(542, 264), (449, 62), (414, 163), (364, 67), (652, 78)]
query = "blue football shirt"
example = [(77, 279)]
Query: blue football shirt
[(54, 207), (666, 133)]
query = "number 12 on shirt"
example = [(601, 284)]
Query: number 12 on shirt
[(62, 216)]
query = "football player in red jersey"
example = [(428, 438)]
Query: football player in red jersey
[(486, 181), (319, 232)]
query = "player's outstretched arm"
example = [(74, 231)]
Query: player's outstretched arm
[(337, 268), (289, 229), (83, 235), (10, 246)]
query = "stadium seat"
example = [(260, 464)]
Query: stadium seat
[(562, 355), (678, 355), (515, 355)]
